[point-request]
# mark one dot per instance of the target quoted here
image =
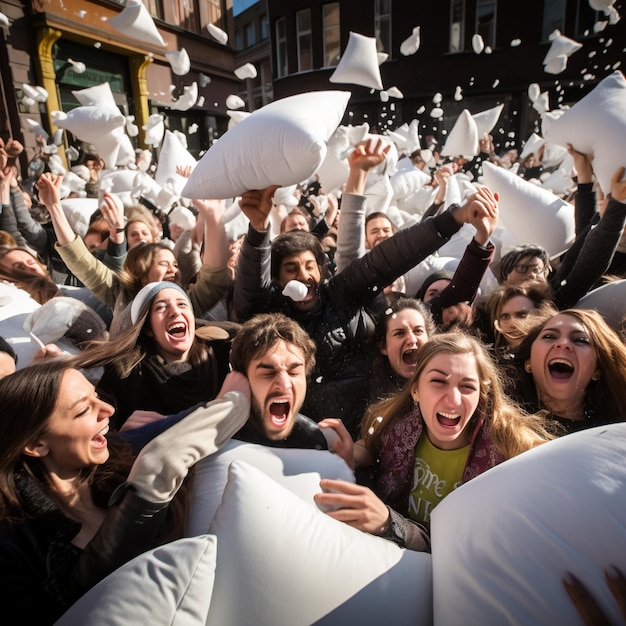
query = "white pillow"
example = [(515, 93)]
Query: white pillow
[(172, 584), (298, 470), (89, 123), (97, 95), (486, 120), (358, 64), (136, 22), (561, 46), (463, 138), (596, 125), (282, 561), (407, 182), (609, 300), (282, 143), (502, 542), (173, 153), (78, 212), (179, 61), (530, 213), (532, 145), (334, 170)]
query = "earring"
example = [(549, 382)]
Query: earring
[(596, 376), (527, 367)]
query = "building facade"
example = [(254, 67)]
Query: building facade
[(308, 37), (45, 38)]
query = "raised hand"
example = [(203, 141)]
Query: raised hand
[(256, 205)]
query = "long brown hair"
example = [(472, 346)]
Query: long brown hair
[(511, 429), (607, 395), (28, 398), (139, 260), (40, 288)]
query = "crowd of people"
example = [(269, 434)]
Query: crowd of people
[(309, 328)]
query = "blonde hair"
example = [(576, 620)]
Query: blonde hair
[(511, 429)]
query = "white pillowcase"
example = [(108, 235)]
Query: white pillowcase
[(486, 120), (136, 22), (173, 153), (358, 64), (172, 584), (596, 125), (463, 138), (502, 542), (298, 470), (89, 123), (530, 213), (609, 300), (281, 561), (283, 143)]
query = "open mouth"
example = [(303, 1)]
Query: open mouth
[(561, 369), (178, 330), (410, 356), (99, 441), (279, 412), (448, 419)]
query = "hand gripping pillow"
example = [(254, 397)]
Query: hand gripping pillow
[(281, 561), (172, 585), (596, 125), (502, 542), (530, 213), (358, 64), (282, 143), (300, 471)]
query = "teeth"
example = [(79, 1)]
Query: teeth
[(562, 361), (451, 416), (175, 327), (104, 431)]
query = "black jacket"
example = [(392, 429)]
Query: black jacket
[(340, 325)]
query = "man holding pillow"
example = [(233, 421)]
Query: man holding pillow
[(334, 311)]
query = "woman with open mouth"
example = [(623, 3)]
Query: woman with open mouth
[(162, 364), (76, 502), (448, 424), (402, 328), (573, 365)]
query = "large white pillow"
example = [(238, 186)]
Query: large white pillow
[(136, 22), (358, 64), (282, 143), (530, 213), (609, 300), (502, 542), (463, 138), (486, 120), (298, 470), (173, 154), (281, 561), (596, 125), (89, 123), (170, 585)]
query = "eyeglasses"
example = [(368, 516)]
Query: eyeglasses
[(525, 268)]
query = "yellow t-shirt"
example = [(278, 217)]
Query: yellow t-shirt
[(437, 473)]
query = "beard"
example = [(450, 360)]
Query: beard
[(257, 417)]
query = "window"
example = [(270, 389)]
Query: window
[(586, 17), (250, 38), (211, 12), (155, 7), (304, 41), (382, 25), (486, 21), (238, 40), (553, 17), (457, 23), (281, 48), (265, 27), (332, 50)]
